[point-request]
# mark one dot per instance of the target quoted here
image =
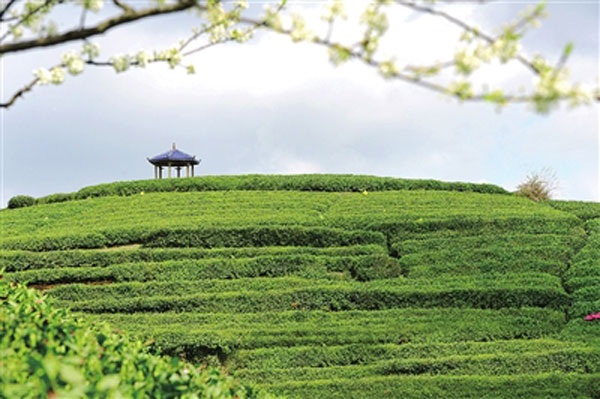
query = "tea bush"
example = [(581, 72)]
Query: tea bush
[(20, 201), (48, 353)]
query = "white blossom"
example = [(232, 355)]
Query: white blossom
[(92, 5), (388, 69), (57, 75), (272, 17), (120, 62), (299, 30), (172, 56), (466, 61), (73, 62), (143, 58), (16, 31), (243, 4), (333, 10), (44, 76), (92, 50)]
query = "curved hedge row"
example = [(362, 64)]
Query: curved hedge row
[(191, 335), (13, 261), (582, 360), (490, 292), (205, 237), (361, 268), (582, 209), (312, 182), (344, 355), (530, 386), (512, 241)]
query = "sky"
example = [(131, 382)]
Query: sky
[(273, 106)]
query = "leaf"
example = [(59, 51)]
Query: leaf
[(109, 382)]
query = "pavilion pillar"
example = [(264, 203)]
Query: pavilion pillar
[(192, 170), (155, 172), (178, 171), (160, 172), (187, 170), (169, 171)]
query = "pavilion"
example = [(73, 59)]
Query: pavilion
[(176, 159)]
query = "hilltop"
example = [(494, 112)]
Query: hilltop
[(330, 286)]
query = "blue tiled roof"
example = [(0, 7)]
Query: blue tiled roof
[(173, 155)]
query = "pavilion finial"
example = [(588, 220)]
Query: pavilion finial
[(174, 146)]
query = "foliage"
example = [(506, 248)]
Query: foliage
[(46, 352), (20, 201)]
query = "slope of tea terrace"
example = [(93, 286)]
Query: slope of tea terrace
[(460, 291)]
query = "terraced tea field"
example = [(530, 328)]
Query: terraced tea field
[(331, 286)]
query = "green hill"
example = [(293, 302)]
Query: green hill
[(327, 286)]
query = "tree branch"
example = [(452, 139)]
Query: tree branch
[(125, 7), (6, 8), (19, 93), (466, 27), (78, 34)]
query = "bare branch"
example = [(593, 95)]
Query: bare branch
[(31, 84), (194, 37), (465, 26), (78, 34), (19, 93), (122, 5), (82, 18), (6, 8), (204, 47), (23, 18)]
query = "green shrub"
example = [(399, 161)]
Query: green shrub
[(20, 201), (54, 198), (48, 353)]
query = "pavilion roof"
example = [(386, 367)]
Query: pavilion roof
[(174, 156)]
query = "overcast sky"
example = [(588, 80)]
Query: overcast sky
[(271, 106)]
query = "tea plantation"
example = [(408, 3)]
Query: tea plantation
[(324, 286)]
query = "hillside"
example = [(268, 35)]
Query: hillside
[(331, 286)]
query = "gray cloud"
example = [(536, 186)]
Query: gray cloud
[(251, 109)]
